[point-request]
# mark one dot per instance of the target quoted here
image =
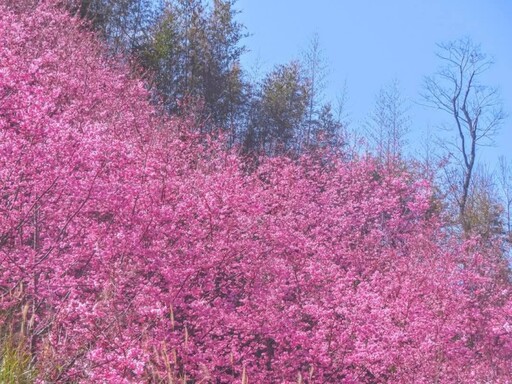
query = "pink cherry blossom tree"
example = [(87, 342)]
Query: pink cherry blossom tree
[(134, 250)]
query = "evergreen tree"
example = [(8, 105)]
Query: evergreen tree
[(194, 57), (278, 111), (124, 24)]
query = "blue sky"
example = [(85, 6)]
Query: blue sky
[(368, 43)]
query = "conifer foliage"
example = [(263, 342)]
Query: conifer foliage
[(134, 250)]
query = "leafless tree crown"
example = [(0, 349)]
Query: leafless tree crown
[(475, 108)]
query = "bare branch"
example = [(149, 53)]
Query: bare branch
[(476, 109)]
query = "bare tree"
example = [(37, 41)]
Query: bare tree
[(315, 71), (389, 124), (475, 108), (342, 105), (505, 183)]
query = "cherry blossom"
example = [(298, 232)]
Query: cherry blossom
[(134, 250)]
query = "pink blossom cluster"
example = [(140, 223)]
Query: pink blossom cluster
[(138, 251)]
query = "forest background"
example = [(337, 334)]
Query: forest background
[(276, 76)]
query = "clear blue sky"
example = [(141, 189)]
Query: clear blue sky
[(368, 43)]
